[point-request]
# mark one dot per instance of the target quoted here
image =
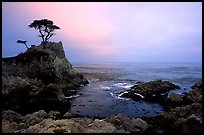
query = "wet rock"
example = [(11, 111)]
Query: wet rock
[(195, 95), (173, 100), (154, 87), (173, 97), (151, 91)]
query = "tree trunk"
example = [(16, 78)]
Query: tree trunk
[(26, 46)]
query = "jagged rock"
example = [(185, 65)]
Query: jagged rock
[(173, 100), (9, 126), (83, 121), (12, 116), (54, 115), (54, 126), (195, 95), (67, 115), (173, 97), (129, 124), (12, 121), (28, 95), (193, 124), (183, 111), (100, 126), (140, 124), (36, 117), (151, 91), (39, 79), (154, 87)]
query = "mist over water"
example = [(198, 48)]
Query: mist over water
[(106, 79)]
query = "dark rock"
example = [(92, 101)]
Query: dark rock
[(186, 118), (55, 99), (12, 116), (39, 79), (12, 121), (151, 91), (154, 87), (193, 124), (195, 95), (173, 100)]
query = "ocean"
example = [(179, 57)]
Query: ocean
[(99, 99)]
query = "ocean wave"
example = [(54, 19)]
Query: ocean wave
[(73, 96), (123, 85), (118, 97), (103, 87)]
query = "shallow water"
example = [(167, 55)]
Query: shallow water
[(99, 97)]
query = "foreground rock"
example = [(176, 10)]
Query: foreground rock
[(42, 122), (129, 124), (39, 78), (151, 91)]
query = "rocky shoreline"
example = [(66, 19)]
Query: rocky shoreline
[(36, 84), (181, 119)]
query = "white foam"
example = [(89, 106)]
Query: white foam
[(73, 96), (103, 87), (118, 97), (122, 93), (139, 95), (123, 85)]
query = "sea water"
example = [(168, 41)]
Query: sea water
[(99, 98)]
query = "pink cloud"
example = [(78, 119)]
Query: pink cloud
[(85, 24)]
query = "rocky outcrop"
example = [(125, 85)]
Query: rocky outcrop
[(151, 91), (129, 124), (186, 118), (39, 78), (195, 95), (42, 122)]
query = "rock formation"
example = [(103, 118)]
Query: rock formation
[(151, 91), (186, 118), (42, 122), (39, 78)]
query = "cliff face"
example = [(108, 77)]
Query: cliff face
[(39, 78)]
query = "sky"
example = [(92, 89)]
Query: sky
[(110, 32)]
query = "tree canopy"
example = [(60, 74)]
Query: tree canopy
[(45, 27)]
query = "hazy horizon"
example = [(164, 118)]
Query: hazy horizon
[(168, 32)]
